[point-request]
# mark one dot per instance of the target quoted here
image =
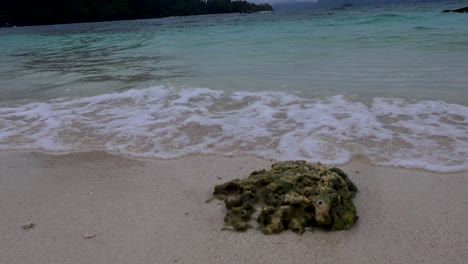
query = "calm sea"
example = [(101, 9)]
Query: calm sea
[(387, 83)]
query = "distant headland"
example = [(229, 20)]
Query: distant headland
[(33, 12), (460, 10)]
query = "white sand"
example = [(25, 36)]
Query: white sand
[(154, 211)]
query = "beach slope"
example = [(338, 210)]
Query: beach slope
[(100, 208)]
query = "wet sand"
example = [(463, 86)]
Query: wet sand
[(99, 208)]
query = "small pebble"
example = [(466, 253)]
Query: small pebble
[(27, 225), (89, 235), (357, 171), (219, 178)]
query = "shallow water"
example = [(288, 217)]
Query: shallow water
[(388, 83)]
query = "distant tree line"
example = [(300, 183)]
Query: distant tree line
[(35, 12)]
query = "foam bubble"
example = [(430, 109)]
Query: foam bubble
[(162, 122)]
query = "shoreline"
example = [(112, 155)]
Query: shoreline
[(154, 211), (355, 159)]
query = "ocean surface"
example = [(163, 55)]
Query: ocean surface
[(386, 83)]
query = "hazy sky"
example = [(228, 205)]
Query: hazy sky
[(351, 1)]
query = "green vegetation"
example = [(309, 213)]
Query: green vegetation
[(33, 12), (293, 195)]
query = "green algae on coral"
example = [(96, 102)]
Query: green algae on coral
[(292, 195)]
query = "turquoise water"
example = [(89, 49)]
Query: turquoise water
[(388, 83)]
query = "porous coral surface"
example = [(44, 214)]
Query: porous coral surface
[(292, 195)]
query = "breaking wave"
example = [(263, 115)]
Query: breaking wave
[(165, 123)]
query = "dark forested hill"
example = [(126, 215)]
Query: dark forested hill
[(34, 12)]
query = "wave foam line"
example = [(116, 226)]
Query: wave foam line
[(167, 123)]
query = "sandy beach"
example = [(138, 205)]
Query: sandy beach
[(100, 208)]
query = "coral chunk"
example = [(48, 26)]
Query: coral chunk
[(292, 195)]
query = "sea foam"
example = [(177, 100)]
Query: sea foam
[(162, 122)]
